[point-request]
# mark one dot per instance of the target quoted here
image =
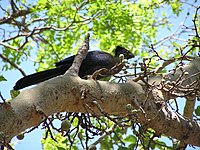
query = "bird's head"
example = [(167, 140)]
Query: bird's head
[(120, 50)]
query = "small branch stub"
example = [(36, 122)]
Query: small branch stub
[(80, 56)]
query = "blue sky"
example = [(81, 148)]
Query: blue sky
[(32, 140)]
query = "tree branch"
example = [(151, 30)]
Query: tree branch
[(13, 64), (71, 93), (64, 93), (80, 56), (15, 14)]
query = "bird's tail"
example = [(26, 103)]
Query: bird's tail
[(39, 77)]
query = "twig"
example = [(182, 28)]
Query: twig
[(16, 14), (1, 96), (195, 26), (8, 46), (12, 64), (49, 131), (108, 132), (169, 36)]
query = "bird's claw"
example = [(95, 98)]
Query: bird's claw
[(101, 72)]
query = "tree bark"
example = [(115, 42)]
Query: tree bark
[(70, 94)]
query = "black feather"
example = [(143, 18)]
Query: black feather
[(94, 61)]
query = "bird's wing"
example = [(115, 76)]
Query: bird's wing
[(98, 58), (93, 58)]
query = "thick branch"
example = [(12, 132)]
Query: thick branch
[(69, 93), (61, 94), (184, 81)]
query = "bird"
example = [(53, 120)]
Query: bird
[(94, 61)]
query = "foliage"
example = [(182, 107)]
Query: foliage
[(60, 143), (62, 24)]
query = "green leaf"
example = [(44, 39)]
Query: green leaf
[(2, 78), (14, 93), (176, 7), (197, 111), (175, 44), (106, 144), (160, 144), (130, 138), (60, 148), (75, 122), (131, 146)]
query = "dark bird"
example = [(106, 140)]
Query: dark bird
[(94, 61)]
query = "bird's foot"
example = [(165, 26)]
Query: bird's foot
[(106, 72), (101, 72)]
